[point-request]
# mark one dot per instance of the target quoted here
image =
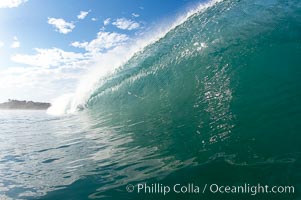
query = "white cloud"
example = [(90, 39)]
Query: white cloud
[(94, 19), (1, 44), (11, 3), (135, 15), (103, 41), (16, 43), (34, 83), (61, 25), (47, 58), (107, 21), (43, 75), (82, 14), (126, 24), (48, 73)]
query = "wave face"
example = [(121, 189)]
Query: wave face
[(216, 99), (234, 63)]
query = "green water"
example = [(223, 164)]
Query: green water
[(215, 101)]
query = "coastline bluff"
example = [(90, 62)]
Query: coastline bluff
[(24, 105)]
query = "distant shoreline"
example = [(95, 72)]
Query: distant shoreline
[(24, 105)]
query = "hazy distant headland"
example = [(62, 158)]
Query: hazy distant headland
[(24, 105)]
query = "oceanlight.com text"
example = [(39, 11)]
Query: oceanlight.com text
[(191, 188)]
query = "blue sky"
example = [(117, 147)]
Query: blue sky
[(46, 45)]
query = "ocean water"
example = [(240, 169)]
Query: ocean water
[(216, 100)]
